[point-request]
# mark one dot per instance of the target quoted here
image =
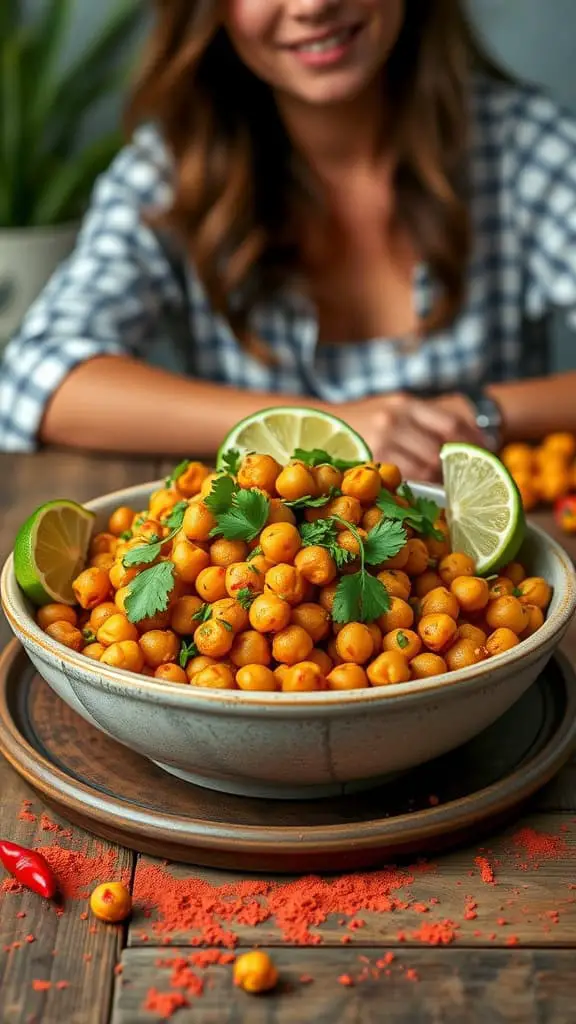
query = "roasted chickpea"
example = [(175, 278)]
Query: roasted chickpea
[(250, 648), (398, 561), (182, 614), (404, 640), (389, 668), (170, 673), (515, 572), (507, 611), (280, 513), (333, 653), (211, 583), (397, 583), (471, 592), (376, 634), (371, 517), (463, 653), (390, 475), (215, 677), (190, 481), (280, 674), (303, 677), (326, 478), (346, 507), (362, 482), (425, 665), (94, 651), (295, 481), (286, 582), (316, 565), (120, 521), (467, 631), (198, 522), (256, 677), (214, 638), (269, 613), (398, 616), (500, 587), (244, 575), (313, 618), (348, 541), (150, 531), (535, 590), (232, 612), (65, 633), (91, 587), (437, 631), (125, 654), (56, 613), (347, 677), (454, 565), (226, 552), (259, 471), (418, 557), (501, 640), (440, 601), (292, 645), (535, 620), (280, 542), (103, 561), (115, 629), (161, 503), (439, 548), (320, 658), (159, 646), (354, 643), (195, 665), (100, 613), (426, 582), (327, 595), (119, 577), (103, 544)]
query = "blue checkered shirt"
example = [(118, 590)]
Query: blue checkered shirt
[(121, 283)]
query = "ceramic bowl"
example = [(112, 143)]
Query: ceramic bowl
[(295, 746)]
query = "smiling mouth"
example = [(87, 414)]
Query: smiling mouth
[(327, 43)]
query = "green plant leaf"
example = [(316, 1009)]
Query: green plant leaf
[(65, 191), (51, 31)]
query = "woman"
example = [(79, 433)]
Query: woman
[(346, 206)]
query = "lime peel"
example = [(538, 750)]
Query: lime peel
[(50, 550), (278, 431)]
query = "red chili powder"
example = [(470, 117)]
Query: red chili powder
[(346, 980), (486, 870), (208, 957), (47, 825), (412, 975), (437, 933), (164, 1004), (77, 871), (296, 906), (539, 844), (41, 986), (25, 813)]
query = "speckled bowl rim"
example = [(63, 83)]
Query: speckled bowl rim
[(158, 691)]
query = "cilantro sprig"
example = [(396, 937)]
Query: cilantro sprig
[(319, 457), (231, 460), (309, 502), (323, 534), (150, 550), (188, 650), (150, 592), (421, 515), (240, 513)]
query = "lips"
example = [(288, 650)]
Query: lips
[(325, 43)]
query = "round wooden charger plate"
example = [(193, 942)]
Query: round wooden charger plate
[(100, 785)]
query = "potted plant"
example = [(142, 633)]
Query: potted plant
[(45, 175)]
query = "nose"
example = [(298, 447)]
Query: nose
[(316, 10)]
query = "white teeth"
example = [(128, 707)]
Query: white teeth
[(329, 43)]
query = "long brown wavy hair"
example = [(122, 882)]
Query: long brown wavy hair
[(235, 178)]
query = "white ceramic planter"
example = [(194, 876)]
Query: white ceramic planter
[(28, 258)]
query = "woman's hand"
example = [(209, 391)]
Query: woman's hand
[(410, 431)]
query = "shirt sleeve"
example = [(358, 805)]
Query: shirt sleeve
[(544, 189), (107, 298)]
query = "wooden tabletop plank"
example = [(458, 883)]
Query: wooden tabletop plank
[(54, 967), (532, 901), (425, 986)]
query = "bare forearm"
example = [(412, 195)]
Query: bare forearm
[(118, 404), (534, 408)]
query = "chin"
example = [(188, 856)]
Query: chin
[(330, 92)]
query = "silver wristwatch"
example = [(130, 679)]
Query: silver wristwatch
[(488, 417)]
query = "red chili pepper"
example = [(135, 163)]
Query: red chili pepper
[(565, 513), (29, 868)]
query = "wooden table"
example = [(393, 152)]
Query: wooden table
[(514, 958)]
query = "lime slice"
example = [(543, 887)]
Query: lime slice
[(484, 509), (50, 551), (279, 431)]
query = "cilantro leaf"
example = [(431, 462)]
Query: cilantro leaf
[(176, 517), (245, 597), (309, 502), (323, 534), (221, 493), (231, 461), (384, 541), (319, 457), (127, 535), (188, 650), (150, 591), (204, 612), (421, 516), (245, 517), (402, 640), (254, 553), (89, 635), (142, 555), (360, 598), (177, 472)]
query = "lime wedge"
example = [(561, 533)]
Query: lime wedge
[(279, 431), (484, 509), (50, 551)]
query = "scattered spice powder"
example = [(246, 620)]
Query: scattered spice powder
[(486, 870), (437, 933), (47, 825), (164, 1004), (25, 814), (77, 870), (346, 980), (539, 844), (412, 975), (41, 986)]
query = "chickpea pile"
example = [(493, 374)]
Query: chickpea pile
[(257, 615), (543, 473)]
